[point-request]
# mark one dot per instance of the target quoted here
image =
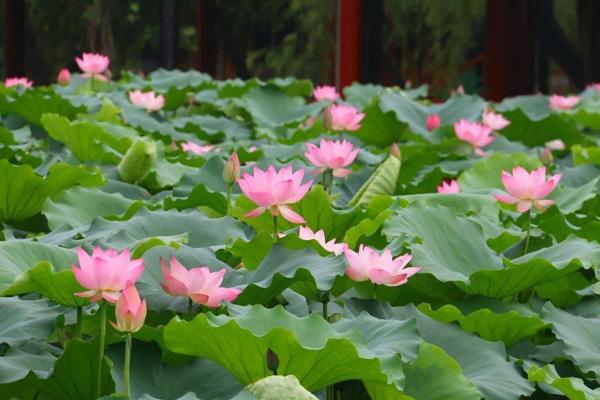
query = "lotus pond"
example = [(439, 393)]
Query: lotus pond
[(178, 237)]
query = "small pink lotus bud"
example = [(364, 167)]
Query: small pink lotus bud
[(232, 172), (433, 122), (555, 145), (64, 77)]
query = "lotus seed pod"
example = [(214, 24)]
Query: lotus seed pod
[(278, 387), (137, 162)]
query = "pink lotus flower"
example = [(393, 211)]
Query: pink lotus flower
[(325, 93), (149, 100), (64, 77), (494, 121), (555, 145), (305, 233), (367, 264), (527, 189), (194, 148), (558, 102), (477, 135), (93, 65), (130, 310), (199, 284), (232, 169), (11, 82), (342, 117), (332, 155), (105, 273), (275, 191), (433, 122), (450, 186)]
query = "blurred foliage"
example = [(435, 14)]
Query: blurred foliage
[(280, 38), (565, 12), (431, 38)]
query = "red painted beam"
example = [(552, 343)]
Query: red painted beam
[(348, 49)]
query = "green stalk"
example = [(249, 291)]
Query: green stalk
[(101, 347), (190, 306), (78, 324), (528, 237), (127, 365), (330, 388), (229, 189), (92, 86), (275, 227), (327, 181)]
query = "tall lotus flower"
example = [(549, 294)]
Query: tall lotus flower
[(494, 120), (17, 81), (558, 102), (527, 189), (130, 310), (305, 233), (148, 100), (93, 65), (64, 77), (105, 273), (199, 284), (342, 118), (332, 155), (450, 186), (367, 264), (433, 122), (194, 148), (275, 191), (477, 135), (325, 93)]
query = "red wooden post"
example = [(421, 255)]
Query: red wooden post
[(348, 49), (14, 37)]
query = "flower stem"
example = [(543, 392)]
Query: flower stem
[(325, 314), (327, 181), (127, 365), (190, 306), (275, 227), (528, 237), (101, 347), (92, 86), (78, 324), (229, 189)]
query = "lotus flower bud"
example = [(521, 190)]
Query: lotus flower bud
[(327, 119), (547, 157), (395, 150), (130, 310), (232, 172), (433, 122), (64, 77), (137, 162)]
